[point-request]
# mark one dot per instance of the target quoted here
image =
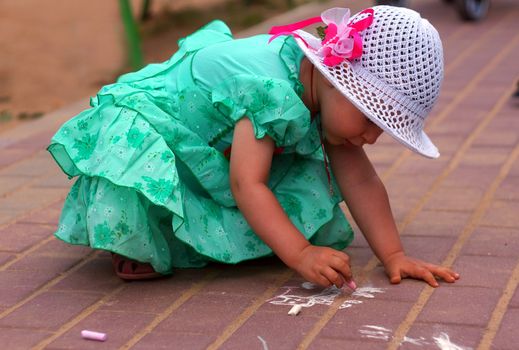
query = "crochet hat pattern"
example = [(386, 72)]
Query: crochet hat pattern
[(388, 61)]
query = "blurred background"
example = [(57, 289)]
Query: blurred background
[(58, 51)]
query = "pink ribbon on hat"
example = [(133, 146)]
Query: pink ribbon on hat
[(342, 39)]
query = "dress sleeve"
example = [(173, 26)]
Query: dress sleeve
[(272, 105)]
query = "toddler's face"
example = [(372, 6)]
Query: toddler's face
[(343, 123)]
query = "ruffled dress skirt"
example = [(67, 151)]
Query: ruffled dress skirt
[(148, 187)]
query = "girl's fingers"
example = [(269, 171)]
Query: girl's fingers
[(342, 267), (428, 277), (444, 273), (333, 276), (395, 278), (394, 275), (322, 281), (420, 270)]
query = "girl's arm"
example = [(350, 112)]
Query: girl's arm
[(249, 172), (367, 200)]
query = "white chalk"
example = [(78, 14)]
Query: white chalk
[(295, 310), (91, 335), (308, 285)]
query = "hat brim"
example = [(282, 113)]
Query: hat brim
[(389, 109)]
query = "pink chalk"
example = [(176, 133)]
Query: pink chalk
[(351, 284), (91, 335)]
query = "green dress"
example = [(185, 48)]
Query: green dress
[(151, 155)]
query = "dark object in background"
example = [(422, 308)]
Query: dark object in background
[(473, 10), (516, 93), (470, 10)]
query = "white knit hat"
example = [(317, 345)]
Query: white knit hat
[(396, 80)]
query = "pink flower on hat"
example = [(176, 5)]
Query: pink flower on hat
[(338, 43), (342, 39)]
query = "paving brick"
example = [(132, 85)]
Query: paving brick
[(496, 138), (54, 180), (120, 327), (50, 265), (503, 214), (12, 156), (448, 145), (507, 119), (10, 278), (415, 168), (6, 257), (484, 271), (12, 295), (33, 166), (471, 177), (58, 248), (463, 124), (334, 343), (493, 241), (348, 323), (174, 340), (407, 290), (381, 168), (508, 189), (10, 183), (484, 97), (18, 237), (506, 337), (49, 310), (48, 215), (437, 223), (409, 186), (514, 170), (8, 215), (359, 241), (401, 206), (449, 305), (211, 312), (19, 338), (17, 285), (514, 302), (245, 280), (36, 141), (275, 327), (430, 249), (455, 199), (359, 256), (39, 197), (431, 335), (153, 296), (386, 154), (485, 156), (95, 276)]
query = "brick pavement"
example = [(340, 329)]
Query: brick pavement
[(460, 210)]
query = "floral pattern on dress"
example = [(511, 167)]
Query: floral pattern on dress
[(160, 190), (128, 150), (85, 146)]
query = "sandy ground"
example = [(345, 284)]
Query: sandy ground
[(55, 52)]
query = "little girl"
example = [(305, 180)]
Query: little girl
[(236, 149)]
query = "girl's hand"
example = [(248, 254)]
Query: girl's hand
[(324, 266), (400, 266)]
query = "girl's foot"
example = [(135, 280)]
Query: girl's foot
[(132, 270)]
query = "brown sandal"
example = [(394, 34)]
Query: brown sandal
[(132, 270)]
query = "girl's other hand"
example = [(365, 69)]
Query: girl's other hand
[(400, 266), (324, 266)]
